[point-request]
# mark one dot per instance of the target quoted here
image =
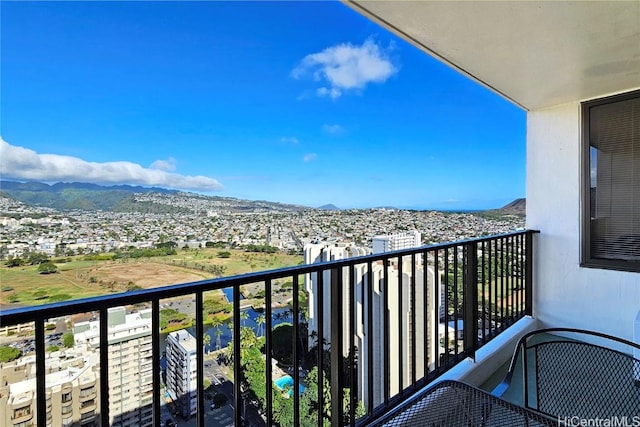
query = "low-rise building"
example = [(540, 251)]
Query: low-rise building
[(72, 389)]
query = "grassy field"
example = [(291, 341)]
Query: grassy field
[(80, 278)]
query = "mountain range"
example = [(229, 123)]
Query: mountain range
[(122, 198)]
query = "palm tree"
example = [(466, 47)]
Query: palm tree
[(217, 323), (218, 335), (244, 315), (230, 344), (206, 340), (260, 320)]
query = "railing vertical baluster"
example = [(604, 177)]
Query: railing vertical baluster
[(456, 302), (337, 316), (104, 365), (446, 306), (296, 340), (437, 297), (41, 375), (401, 324), (237, 366), (386, 373), (268, 313), (505, 276), (470, 299), (510, 283), (520, 276), (484, 293), (320, 347), (155, 352), (505, 282), (516, 277), (426, 314), (353, 389), (503, 290), (491, 293), (412, 305), (369, 332), (200, 361)]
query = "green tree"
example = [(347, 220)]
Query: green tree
[(7, 354), (37, 258), (14, 262), (47, 268), (224, 254), (67, 339)]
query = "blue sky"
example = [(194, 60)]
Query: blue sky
[(297, 102)]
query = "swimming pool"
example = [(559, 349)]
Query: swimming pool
[(286, 382)]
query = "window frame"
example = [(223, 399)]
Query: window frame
[(585, 177)]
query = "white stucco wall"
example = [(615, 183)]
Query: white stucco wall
[(566, 295)]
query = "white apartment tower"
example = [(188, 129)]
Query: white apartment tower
[(182, 373), (315, 253), (130, 364), (403, 305), (396, 242)]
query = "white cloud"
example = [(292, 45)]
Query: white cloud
[(346, 67), (333, 129), (332, 93), (168, 165), (23, 163), (309, 157), (289, 140)]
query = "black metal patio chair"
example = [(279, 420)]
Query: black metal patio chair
[(576, 373)]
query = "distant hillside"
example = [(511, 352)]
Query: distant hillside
[(74, 195), (11, 186), (517, 207), (127, 198), (329, 207)]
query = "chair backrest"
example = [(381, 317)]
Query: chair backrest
[(564, 376)]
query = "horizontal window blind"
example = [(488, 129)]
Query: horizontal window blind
[(614, 167)]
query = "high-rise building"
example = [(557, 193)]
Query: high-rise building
[(396, 242), (404, 304), (182, 365), (130, 364), (72, 389), (319, 252)]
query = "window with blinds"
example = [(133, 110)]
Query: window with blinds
[(612, 182)]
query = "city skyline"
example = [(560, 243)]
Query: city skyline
[(174, 94)]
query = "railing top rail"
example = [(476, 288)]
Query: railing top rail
[(31, 313)]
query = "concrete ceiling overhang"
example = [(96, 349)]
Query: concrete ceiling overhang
[(536, 53)]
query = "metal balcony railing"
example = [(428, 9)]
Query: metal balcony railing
[(376, 328)]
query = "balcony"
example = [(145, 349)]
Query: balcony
[(389, 324)]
